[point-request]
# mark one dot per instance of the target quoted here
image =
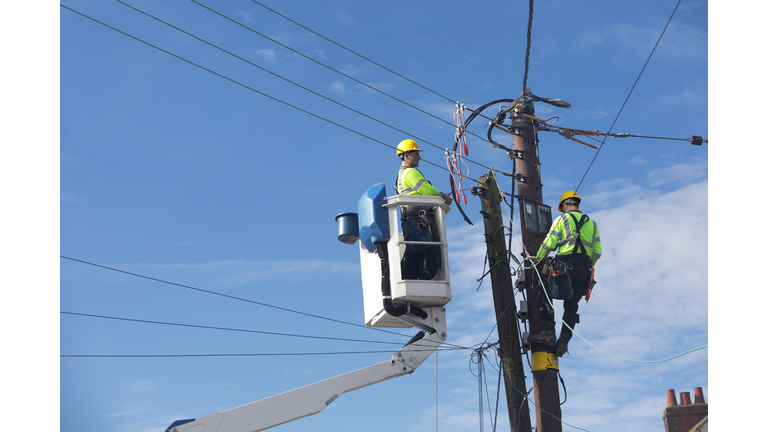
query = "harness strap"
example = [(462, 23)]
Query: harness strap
[(578, 247)]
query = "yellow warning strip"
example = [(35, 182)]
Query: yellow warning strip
[(543, 360)]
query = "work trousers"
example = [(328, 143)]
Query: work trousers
[(580, 274), (421, 262)]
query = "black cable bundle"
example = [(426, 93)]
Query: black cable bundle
[(386, 289)]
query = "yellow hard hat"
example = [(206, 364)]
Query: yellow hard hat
[(407, 145), (567, 195)]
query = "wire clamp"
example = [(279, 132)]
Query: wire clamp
[(477, 191), (697, 140)]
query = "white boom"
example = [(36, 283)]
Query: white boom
[(313, 398), (426, 295)]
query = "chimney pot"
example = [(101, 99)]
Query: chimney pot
[(698, 394), (685, 398), (671, 399)]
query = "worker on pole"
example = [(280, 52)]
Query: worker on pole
[(577, 241), (419, 261)]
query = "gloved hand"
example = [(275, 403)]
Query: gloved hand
[(531, 258), (446, 198)]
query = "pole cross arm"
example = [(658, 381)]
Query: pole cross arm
[(311, 399)]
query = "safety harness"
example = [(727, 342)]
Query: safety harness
[(579, 251), (559, 283), (418, 225)]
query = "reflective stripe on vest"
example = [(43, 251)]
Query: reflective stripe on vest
[(399, 183)]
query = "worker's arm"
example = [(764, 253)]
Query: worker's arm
[(421, 186), (597, 248), (554, 236)]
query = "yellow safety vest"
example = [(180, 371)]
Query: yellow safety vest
[(410, 181), (564, 238)]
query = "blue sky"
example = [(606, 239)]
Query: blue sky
[(228, 179)]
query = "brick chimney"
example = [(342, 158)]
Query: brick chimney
[(686, 416)]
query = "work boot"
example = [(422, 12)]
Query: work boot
[(566, 332), (562, 344), (546, 336)]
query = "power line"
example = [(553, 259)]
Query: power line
[(230, 296), (630, 93), (353, 52), (243, 354), (243, 85), (526, 396), (242, 299), (528, 45), (601, 350), (326, 66), (224, 328), (360, 55), (286, 79)]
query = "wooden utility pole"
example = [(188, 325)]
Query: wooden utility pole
[(504, 302), (528, 181)]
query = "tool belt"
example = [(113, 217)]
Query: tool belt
[(557, 279), (419, 225), (557, 274)]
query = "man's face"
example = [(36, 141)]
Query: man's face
[(412, 159)]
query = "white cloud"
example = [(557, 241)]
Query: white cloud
[(320, 53), (247, 17), (681, 173), (680, 43), (267, 54), (650, 303), (345, 17), (355, 70), (339, 88)]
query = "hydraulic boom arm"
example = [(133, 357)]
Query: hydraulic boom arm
[(313, 398)]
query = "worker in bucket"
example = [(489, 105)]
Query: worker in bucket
[(419, 261), (577, 241)]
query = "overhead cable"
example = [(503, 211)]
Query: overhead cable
[(630, 94), (243, 85), (525, 397), (229, 296), (599, 349), (358, 54), (353, 52), (326, 66), (243, 354), (528, 44), (281, 77), (240, 298), (225, 328)]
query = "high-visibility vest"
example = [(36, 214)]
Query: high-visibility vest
[(410, 181), (567, 240)]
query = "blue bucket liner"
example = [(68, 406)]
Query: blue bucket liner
[(348, 229), (372, 217)]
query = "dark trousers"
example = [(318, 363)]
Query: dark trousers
[(580, 276), (420, 265), (419, 261)]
